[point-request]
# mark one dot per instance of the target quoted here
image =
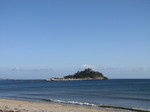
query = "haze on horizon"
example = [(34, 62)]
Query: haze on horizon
[(51, 38)]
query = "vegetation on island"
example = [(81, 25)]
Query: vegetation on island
[(87, 74)]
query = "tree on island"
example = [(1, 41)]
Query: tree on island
[(87, 74)]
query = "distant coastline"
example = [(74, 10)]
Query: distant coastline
[(6, 79)]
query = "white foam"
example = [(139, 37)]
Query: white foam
[(73, 102)]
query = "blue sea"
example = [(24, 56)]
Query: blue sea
[(130, 93)]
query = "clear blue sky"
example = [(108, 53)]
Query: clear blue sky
[(53, 38)]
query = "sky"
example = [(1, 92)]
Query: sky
[(40, 39)]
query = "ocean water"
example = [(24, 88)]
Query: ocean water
[(132, 93)]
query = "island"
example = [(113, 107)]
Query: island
[(87, 74)]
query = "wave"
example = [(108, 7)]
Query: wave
[(72, 102), (81, 104), (96, 105)]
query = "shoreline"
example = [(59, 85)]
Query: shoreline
[(62, 93), (7, 105)]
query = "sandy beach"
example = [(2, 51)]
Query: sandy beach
[(26, 106)]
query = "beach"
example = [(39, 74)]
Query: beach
[(27, 106)]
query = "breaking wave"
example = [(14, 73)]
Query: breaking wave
[(96, 105), (72, 102)]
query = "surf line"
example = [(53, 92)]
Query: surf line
[(124, 108), (95, 105)]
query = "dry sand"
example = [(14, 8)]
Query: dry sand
[(26, 106)]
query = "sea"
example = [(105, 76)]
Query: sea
[(128, 93)]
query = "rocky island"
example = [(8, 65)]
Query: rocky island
[(87, 74)]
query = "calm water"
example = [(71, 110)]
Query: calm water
[(125, 93)]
